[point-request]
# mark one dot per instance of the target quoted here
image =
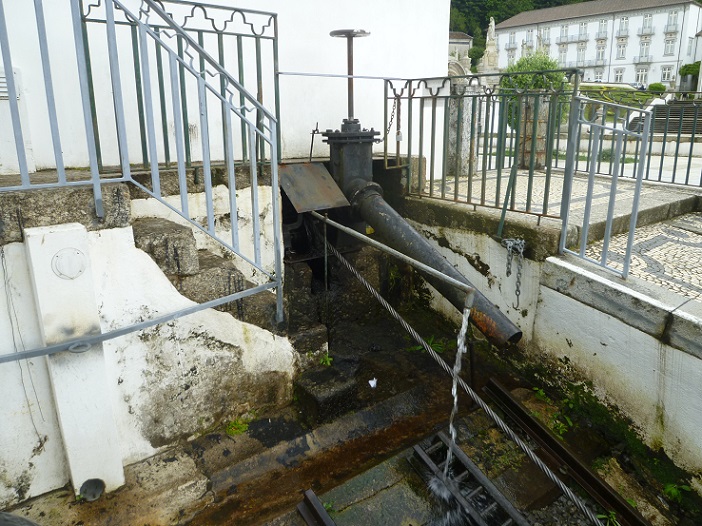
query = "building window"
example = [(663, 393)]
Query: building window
[(581, 52), (673, 18), (666, 73), (530, 36), (690, 44), (562, 54), (644, 47), (583, 29), (601, 48), (603, 25), (642, 76), (598, 75), (545, 37), (669, 46), (624, 23), (512, 37), (618, 75), (564, 31), (621, 48), (648, 21)]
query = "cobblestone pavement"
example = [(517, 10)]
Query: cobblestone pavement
[(667, 254)]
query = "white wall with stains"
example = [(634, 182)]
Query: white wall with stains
[(165, 383)]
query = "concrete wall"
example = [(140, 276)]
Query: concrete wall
[(641, 352), (639, 346), (165, 383), (304, 46)]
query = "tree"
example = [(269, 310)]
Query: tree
[(458, 21), (543, 69), (503, 9), (533, 89)]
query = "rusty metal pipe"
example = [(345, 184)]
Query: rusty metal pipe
[(367, 201)]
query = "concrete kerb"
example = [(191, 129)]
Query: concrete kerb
[(659, 313)]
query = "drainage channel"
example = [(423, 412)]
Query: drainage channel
[(481, 502)]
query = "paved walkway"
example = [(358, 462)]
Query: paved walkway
[(667, 254)]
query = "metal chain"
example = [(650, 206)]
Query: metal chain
[(392, 118), (479, 401), (515, 246)]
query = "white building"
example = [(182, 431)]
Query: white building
[(630, 41)]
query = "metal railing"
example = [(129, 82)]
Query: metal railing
[(244, 42), (625, 126), (237, 137), (468, 140), (674, 145)]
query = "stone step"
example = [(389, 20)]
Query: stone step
[(170, 245), (218, 277)]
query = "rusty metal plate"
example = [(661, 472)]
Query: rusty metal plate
[(309, 186)]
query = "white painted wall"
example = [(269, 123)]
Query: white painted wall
[(305, 46), (146, 372), (494, 283), (656, 385)]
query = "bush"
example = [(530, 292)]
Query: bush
[(656, 88)]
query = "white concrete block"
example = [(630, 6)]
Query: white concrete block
[(60, 267)]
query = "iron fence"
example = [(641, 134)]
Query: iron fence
[(674, 150), (151, 112), (482, 140), (244, 42)]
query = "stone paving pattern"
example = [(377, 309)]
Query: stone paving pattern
[(667, 254)]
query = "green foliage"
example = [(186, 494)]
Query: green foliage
[(459, 21), (325, 359), (690, 69), (540, 394), (675, 492), (657, 88), (536, 62), (610, 518), (504, 9), (237, 427), (476, 53), (437, 345)]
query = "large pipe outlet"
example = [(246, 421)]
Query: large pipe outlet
[(367, 200)]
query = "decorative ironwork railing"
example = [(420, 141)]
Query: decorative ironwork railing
[(157, 91)]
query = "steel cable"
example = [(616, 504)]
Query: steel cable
[(479, 401)]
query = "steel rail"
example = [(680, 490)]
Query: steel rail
[(85, 343), (597, 488)]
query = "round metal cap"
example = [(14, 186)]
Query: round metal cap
[(349, 33)]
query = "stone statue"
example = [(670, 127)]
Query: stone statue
[(489, 60), (491, 30)]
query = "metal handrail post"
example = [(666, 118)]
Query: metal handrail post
[(12, 93), (90, 136)]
